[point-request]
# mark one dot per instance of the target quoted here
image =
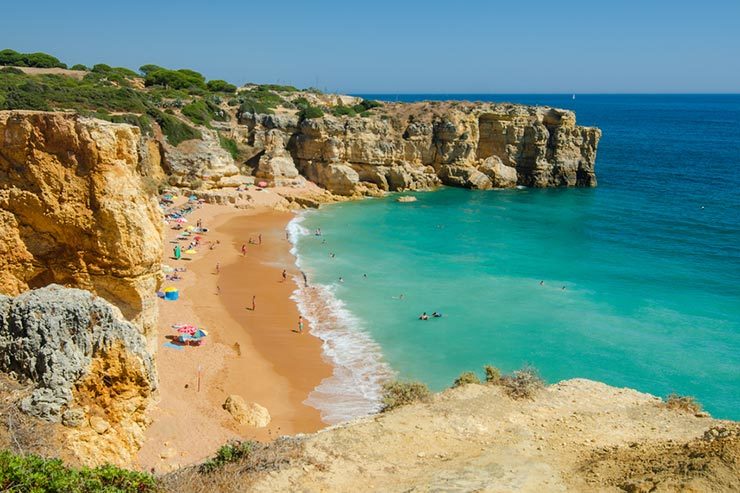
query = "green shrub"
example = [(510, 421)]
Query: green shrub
[(313, 90), (148, 68), (276, 87), (523, 384), (493, 374), (227, 454), (40, 60), (397, 394), (11, 70), (35, 474), (229, 145), (301, 103), (310, 112), (218, 85), (78, 66), (465, 378), (173, 128), (175, 79), (683, 403), (341, 110)]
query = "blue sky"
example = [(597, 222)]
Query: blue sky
[(402, 46)]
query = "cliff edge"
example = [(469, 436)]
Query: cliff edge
[(75, 210)]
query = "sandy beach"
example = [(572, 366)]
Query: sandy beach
[(257, 354)]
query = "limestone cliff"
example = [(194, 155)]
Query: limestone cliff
[(76, 208), (419, 145), (90, 368)]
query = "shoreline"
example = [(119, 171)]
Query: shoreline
[(254, 354)]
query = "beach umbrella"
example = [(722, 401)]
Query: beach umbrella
[(187, 329)]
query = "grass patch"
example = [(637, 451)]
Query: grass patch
[(34, 473), (397, 394), (229, 145), (342, 110), (683, 403)]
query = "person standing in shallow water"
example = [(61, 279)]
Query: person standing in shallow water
[(300, 324)]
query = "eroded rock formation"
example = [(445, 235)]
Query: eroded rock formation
[(90, 367), (77, 208), (420, 145)]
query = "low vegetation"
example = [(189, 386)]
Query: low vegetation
[(229, 145), (310, 112), (397, 394), (683, 403), (173, 128), (34, 473), (522, 384), (39, 60), (228, 453), (465, 378), (493, 374)]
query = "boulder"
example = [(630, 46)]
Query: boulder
[(501, 176), (251, 414), (338, 178), (464, 176)]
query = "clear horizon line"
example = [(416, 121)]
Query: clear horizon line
[(546, 93)]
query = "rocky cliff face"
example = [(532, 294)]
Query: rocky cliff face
[(419, 145), (90, 367), (77, 208)]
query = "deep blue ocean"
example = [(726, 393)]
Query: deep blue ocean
[(641, 275)]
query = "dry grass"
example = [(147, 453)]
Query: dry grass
[(23, 434), (683, 403), (523, 384), (493, 375), (236, 475)]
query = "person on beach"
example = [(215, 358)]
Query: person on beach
[(218, 267), (218, 289), (424, 316), (254, 305), (287, 235), (305, 279), (259, 239), (244, 250), (285, 275), (199, 224), (300, 324)]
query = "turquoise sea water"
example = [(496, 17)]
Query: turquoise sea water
[(650, 263)]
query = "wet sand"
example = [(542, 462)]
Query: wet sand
[(256, 354)]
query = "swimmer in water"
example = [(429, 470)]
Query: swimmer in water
[(436, 315), (424, 316)]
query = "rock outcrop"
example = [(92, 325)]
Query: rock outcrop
[(90, 368), (577, 435), (250, 414), (202, 162), (420, 145), (77, 208)]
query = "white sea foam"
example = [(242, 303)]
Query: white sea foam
[(354, 389)]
